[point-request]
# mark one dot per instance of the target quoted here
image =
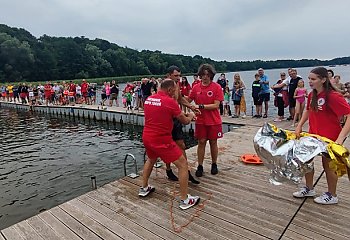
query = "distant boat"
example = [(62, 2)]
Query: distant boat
[(332, 65)]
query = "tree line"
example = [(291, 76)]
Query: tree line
[(24, 57)]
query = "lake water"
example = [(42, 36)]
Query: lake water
[(46, 161)]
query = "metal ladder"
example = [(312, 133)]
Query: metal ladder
[(131, 175)]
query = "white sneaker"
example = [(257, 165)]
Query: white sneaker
[(189, 202), (326, 198), (243, 116), (143, 192), (304, 192)]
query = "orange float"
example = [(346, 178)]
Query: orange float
[(251, 159)]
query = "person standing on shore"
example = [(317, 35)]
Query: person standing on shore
[(207, 95), (324, 109), (265, 90), (256, 93), (158, 141), (222, 81)]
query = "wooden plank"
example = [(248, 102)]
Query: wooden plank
[(111, 225), (148, 209), (12, 233), (44, 230), (243, 197), (223, 224), (77, 227), (58, 226), (123, 221), (95, 227), (148, 222), (305, 233), (158, 201)]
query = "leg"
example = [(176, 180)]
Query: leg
[(266, 107), (214, 150), (182, 166), (331, 176), (147, 169), (201, 150)]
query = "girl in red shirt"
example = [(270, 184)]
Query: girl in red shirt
[(324, 109)]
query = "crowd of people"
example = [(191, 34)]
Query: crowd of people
[(324, 106), (63, 93), (167, 105)]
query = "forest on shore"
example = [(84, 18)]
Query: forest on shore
[(23, 57)]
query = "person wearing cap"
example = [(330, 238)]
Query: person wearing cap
[(265, 90)]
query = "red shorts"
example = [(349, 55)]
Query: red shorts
[(209, 132), (11, 94), (168, 152)]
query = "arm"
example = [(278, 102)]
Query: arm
[(295, 94), (303, 119), (185, 119), (345, 131), (281, 85), (212, 106)]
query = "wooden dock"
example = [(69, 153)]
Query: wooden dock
[(239, 203)]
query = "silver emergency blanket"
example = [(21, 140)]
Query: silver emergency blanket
[(287, 160)]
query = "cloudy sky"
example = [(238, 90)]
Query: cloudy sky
[(229, 30)]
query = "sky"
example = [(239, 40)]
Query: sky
[(231, 30)]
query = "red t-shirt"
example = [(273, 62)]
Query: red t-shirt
[(160, 110), (84, 87), (47, 90), (196, 82), (185, 89), (207, 95), (326, 121), (72, 88)]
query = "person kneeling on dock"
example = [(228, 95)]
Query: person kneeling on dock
[(160, 109)]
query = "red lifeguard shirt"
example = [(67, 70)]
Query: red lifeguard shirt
[(160, 109), (326, 121), (185, 89), (195, 82), (207, 95), (47, 90), (84, 87)]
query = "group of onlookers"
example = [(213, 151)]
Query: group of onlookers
[(50, 93)]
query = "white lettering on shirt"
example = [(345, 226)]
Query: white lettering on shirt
[(153, 102)]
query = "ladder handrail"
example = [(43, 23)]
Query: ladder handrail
[(135, 163)]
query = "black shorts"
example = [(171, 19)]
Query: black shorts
[(265, 97), (292, 102), (236, 102), (177, 132), (257, 101)]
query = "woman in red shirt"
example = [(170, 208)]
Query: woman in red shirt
[(324, 109), (185, 89), (207, 95)]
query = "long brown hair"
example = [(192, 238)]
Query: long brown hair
[(321, 72)]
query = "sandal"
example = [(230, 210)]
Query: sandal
[(265, 116)]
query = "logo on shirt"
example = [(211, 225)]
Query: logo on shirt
[(210, 93), (320, 103), (219, 134)]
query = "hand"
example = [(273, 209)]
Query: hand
[(297, 131), (339, 140), (196, 110), (191, 115)]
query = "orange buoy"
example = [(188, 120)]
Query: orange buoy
[(251, 159)]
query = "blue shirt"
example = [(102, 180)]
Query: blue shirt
[(265, 88)]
